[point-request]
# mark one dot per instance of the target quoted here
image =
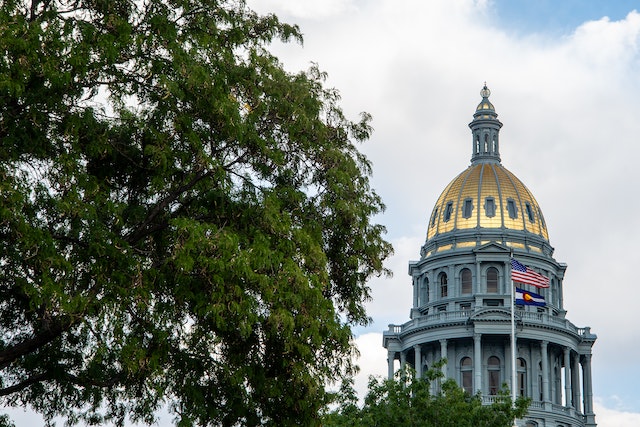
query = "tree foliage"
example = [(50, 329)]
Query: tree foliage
[(182, 221), (409, 402)]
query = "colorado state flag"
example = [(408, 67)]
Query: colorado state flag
[(529, 298)]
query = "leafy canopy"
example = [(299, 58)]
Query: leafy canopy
[(409, 402), (182, 221)]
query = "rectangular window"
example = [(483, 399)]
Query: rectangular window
[(467, 209), (494, 382), (493, 303), (522, 381), (435, 215), (492, 280), (490, 207), (447, 211), (466, 278), (467, 381), (511, 208), (530, 212)]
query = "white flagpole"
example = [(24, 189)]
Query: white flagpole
[(513, 346), (513, 343)]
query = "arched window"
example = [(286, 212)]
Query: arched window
[(444, 291), (493, 368), (492, 280), (466, 374), (522, 376), (465, 276)]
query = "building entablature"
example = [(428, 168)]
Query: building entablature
[(488, 251), (477, 237)]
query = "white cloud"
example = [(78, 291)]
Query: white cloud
[(569, 107), (305, 9), (606, 417), (372, 361), (604, 42)]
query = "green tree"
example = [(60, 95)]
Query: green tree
[(182, 221), (406, 401)]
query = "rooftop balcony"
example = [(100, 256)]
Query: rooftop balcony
[(522, 318), (537, 408)]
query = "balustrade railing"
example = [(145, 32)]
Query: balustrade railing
[(464, 315), (538, 405)]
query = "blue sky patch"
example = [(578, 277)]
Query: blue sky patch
[(558, 17)]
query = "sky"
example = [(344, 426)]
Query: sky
[(564, 77)]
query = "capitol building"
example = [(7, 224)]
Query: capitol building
[(474, 289)]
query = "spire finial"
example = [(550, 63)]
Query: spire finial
[(485, 92)]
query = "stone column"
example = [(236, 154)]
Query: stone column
[(443, 355), (391, 356), (403, 361), (416, 290), (432, 289), (587, 385), (452, 289), (544, 355), (575, 382), (567, 376), (477, 361), (418, 360)]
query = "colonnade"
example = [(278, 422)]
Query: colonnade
[(549, 393)]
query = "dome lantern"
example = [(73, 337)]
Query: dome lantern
[(485, 128)]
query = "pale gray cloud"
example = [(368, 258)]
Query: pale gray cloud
[(305, 9), (569, 104)]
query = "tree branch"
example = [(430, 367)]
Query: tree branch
[(74, 379), (142, 229), (53, 330), (24, 384)]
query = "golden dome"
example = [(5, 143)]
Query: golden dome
[(486, 196), (486, 203)]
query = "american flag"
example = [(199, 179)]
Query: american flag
[(522, 274)]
